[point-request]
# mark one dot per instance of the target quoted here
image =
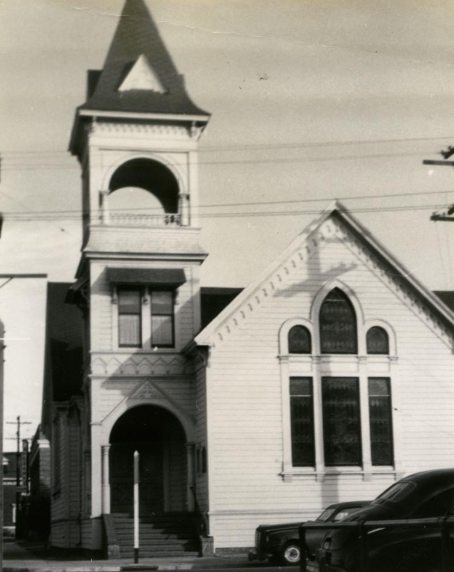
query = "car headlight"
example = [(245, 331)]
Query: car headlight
[(327, 544)]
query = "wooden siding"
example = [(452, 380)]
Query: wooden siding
[(246, 428)]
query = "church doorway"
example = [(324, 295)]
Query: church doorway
[(160, 440)]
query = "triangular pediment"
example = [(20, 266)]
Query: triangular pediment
[(142, 77), (334, 226), (146, 390)]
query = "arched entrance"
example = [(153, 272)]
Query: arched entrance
[(160, 440)]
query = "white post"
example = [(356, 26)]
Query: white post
[(136, 507), (105, 480)]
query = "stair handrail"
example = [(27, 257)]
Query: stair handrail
[(202, 524)]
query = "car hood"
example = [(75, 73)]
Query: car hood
[(277, 527)]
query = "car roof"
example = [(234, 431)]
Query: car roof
[(349, 504)]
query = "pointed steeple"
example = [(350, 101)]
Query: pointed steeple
[(139, 75)]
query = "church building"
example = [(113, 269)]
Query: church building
[(325, 380)]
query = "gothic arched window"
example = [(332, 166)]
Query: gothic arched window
[(299, 340), (377, 341), (337, 319)]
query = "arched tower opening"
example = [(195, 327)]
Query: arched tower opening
[(143, 187), (160, 439)]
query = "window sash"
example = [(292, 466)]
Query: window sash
[(130, 330), (162, 331), (162, 318), (341, 421), (302, 422), (380, 415)]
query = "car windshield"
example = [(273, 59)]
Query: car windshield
[(326, 514), (345, 512), (396, 492)]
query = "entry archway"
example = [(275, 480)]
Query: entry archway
[(160, 439)]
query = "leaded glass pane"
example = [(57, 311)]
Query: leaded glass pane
[(302, 422), (377, 341), (341, 421), (381, 436), (338, 333), (129, 330), (299, 340), (301, 386)]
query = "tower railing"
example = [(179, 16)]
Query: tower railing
[(152, 221)]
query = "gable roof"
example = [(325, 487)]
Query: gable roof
[(138, 44), (338, 212)]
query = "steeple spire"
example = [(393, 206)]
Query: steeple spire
[(139, 74)]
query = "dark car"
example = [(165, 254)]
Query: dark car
[(429, 494), (280, 542)]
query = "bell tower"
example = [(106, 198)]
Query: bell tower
[(136, 138)]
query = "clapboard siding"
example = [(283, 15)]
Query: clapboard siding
[(246, 428)]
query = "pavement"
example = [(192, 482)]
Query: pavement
[(29, 557)]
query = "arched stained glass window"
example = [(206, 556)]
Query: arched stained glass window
[(338, 331), (377, 341), (299, 340)]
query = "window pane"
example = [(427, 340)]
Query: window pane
[(377, 341), (129, 330), (301, 386), (129, 301), (338, 324), (341, 421), (381, 437), (302, 421), (162, 302), (299, 340), (162, 331)]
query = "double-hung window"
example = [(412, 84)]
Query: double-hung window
[(139, 328)]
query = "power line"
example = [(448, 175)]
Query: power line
[(284, 160), (255, 146), (77, 213), (27, 217)]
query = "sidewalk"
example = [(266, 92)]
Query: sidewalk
[(33, 558)]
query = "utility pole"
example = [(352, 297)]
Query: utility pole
[(447, 215), (18, 464)]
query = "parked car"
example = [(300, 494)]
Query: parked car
[(429, 494), (280, 542)]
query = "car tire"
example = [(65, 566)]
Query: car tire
[(291, 554)]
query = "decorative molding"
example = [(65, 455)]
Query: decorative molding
[(141, 365), (395, 284), (146, 390), (162, 130)]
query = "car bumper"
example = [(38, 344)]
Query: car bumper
[(252, 555)]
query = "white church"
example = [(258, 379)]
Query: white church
[(325, 380)]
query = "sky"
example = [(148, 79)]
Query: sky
[(311, 100)]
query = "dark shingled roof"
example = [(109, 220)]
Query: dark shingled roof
[(138, 35), (446, 296), (64, 343)]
